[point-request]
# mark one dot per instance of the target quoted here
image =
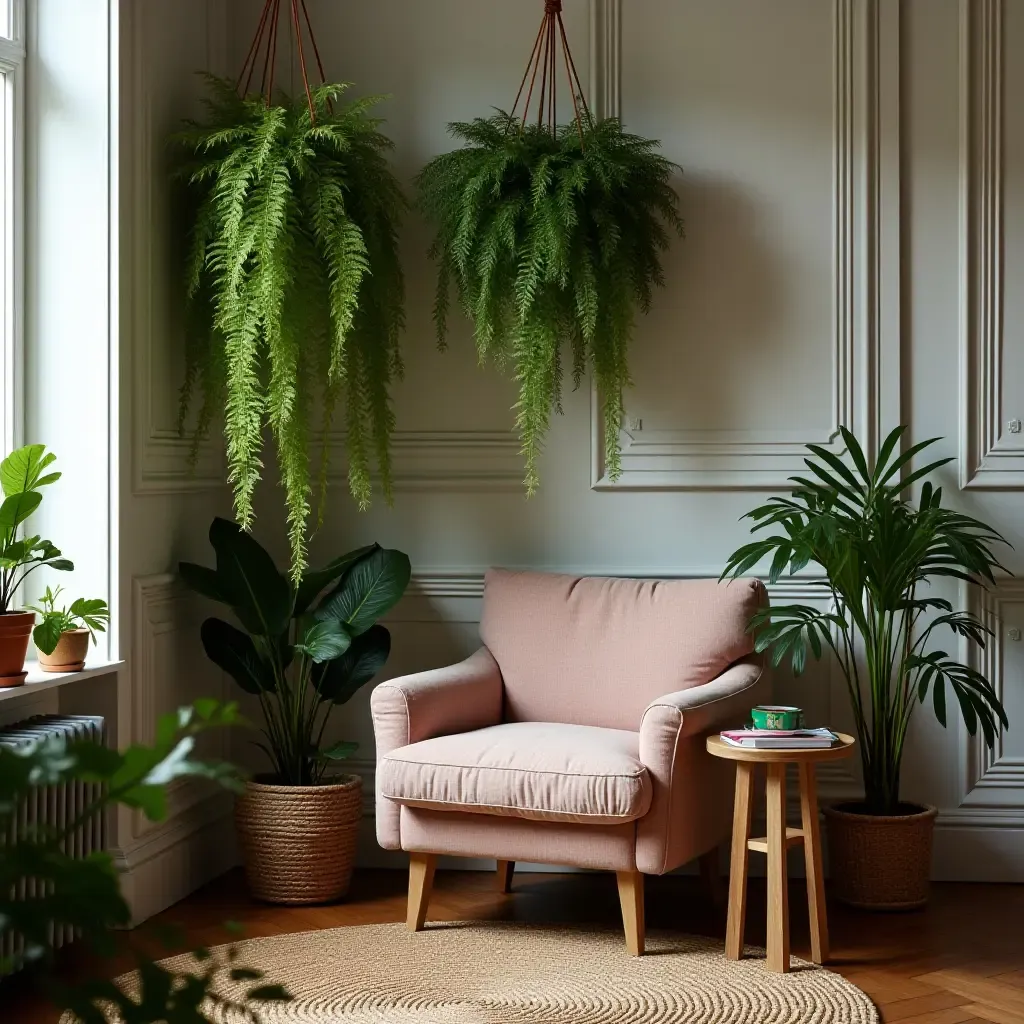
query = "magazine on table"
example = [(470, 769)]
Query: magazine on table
[(780, 739)]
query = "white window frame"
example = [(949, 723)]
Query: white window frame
[(12, 322)]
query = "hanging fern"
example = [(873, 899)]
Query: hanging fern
[(552, 239), (294, 285)]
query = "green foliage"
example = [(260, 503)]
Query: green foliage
[(551, 239), (294, 284), (878, 552), (305, 647), (60, 891), (22, 475), (85, 613)]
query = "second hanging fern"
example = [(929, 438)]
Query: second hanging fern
[(553, 241)]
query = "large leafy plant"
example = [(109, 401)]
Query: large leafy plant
[(552, 238), (879, 553), (303, 648), (294, 284), (42, 887), (23, 474)]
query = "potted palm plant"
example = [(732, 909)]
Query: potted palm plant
[(304, 648), (23, 474), (879, 553), (63, 634)]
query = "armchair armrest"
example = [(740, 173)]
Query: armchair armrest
[(704, 708), (408, 709), (691, 804)]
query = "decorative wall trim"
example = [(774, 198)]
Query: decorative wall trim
[(160, 456), (161, 605), (991, 778), (445, 460), (865, 383), (990, 458)]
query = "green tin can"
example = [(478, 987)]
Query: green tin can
[(776, 716)]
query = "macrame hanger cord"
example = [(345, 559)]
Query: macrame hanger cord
[(264, 45), (543, 64)]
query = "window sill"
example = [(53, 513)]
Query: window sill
[(39, 681)]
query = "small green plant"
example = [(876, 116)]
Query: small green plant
[(22, 477), (294, 285), (303, 648), (43, 888), (553, 238), (878, 553), (85, 613)]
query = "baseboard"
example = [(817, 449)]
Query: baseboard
[(971, 853), (194, 850)]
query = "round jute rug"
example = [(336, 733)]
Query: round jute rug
[(502, 973)]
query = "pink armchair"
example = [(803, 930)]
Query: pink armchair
[(575, 735)]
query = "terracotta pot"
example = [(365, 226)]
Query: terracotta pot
[(880, 862), (298, 843), (15, 630), (69, 654)]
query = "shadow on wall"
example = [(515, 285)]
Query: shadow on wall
[(725, 295)]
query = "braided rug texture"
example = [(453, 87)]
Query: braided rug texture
[(504, 973)]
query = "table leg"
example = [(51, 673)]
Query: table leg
[(778, 894), (738, 862), (812, 860)]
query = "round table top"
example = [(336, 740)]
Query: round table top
[(718, 747)]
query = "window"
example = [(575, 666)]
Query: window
[(12, 141)]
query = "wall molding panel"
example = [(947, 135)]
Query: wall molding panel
[(992, 780), (990, 458), (163, 608), (161, 457), (866, 320), (442, 460)]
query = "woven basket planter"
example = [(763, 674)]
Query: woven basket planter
[(298, 843), (880, 862)]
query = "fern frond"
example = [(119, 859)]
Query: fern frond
[(295, 291), (550, 241)]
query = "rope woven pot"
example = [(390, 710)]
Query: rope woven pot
[(880, 862), (298, 843)]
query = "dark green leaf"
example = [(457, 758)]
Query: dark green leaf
[(234, 652), (260, 596), (370, 588)]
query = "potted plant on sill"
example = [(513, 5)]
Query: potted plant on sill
[(22, 476), (878, 553), (63, 634), (303, 649)]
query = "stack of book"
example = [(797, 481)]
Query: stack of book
[(780, 739)]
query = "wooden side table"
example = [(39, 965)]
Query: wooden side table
[(778, 840)]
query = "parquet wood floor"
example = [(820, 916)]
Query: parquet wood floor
[(960, 961)]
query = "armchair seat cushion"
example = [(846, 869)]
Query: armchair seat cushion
[(538, 770)]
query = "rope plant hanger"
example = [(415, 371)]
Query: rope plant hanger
[(552, 235), (293, 279)]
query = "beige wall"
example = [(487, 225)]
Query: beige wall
[(851, 179)]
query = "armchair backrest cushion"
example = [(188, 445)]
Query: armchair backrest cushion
[(596, 651)]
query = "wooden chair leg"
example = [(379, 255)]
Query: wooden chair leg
[(631, 899), (738, 863), (778, 889), (421, 881), (505, 870), (812, 862), (711, 876)]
